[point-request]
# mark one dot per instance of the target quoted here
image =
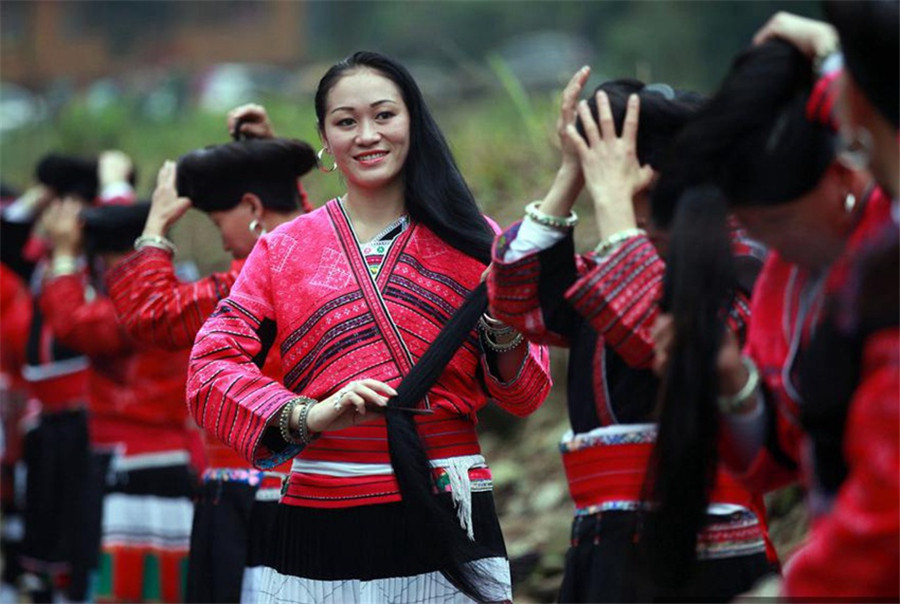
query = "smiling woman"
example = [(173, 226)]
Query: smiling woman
[(389, 497)]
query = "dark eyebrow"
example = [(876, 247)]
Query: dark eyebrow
[(375, 104)]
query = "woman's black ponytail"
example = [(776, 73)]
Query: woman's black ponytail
[(412, 468), (699, 290)]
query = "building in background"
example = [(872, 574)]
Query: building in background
[(42, 41)]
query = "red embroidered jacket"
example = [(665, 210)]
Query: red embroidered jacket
[(850, 458), (136, 391), (603, 309), (306, 290), (157, 309), (786, 306)]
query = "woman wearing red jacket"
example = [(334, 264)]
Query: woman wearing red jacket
[(768, 139), (138, 421), (247, 187)]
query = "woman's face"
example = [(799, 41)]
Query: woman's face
[(809, 231), (366, 129), (234, 226)]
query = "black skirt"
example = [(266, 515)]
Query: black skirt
[(57, 499), (229, 538), (372, 553), (604, 564)]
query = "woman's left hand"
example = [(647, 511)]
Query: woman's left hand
[(609, 163)]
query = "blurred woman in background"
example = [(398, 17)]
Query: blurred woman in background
[(248, 188)]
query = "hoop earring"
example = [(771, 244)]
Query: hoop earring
[(257, 228), (849, 202), (322, 166)]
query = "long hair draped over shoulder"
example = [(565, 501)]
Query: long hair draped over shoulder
[(436, 193)]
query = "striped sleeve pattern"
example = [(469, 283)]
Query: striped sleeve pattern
[(227, 393), (528, 293), (155, 307), (619, 294), (522, 395)]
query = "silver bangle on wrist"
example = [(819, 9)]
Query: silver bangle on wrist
[(155, 241), (610, 243), (743, 400), (548, 220), (494, 327), (497, 347), (303, 436)]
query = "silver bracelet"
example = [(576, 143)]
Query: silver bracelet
[(303, 435), (739, 402), (610, 243), (494, 327), (284, 422), (497, 347), (155, 241), (554, 222)]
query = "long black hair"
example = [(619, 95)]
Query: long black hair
[(752, 138), (436, 193), (216, 178), (700, 284)]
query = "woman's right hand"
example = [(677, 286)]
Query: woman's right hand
[(166, 207), (569, 178), (357, 402), (568, 114), (253, 121)]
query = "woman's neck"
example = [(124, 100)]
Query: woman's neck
[(371, 211)]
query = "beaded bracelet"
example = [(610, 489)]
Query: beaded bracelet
[(284, 422), (497, 347), (304, 435), (610, 243), (494, 327), (554, 222), (155, 241), (740, 402)]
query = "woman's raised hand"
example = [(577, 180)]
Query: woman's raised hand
[(252, 120), (568, 182), (568, 114), (357, 402), (813, 38), (166, 207), (609, 163)]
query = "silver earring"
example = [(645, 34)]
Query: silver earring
[(849, 202), (322, 167), (257, 228)]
